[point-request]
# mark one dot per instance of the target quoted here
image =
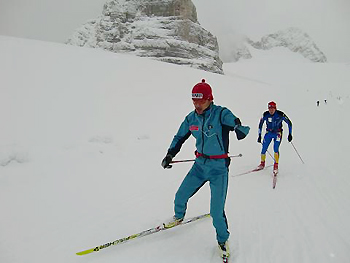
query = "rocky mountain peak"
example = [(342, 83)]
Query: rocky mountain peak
[(165, 30), (294, 39), (130, 9)]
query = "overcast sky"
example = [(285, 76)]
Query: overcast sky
[(326, 21)]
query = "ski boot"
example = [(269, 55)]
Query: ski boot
[(224, 251), (275, 168), (173, 222), (261, 166)]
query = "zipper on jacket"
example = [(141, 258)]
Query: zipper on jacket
[(203, 134)]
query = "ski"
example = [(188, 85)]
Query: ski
[(141, 234), (274, 181), (251, 171)]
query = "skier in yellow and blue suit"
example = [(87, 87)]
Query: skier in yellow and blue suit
[(273, 119), (210, 125)]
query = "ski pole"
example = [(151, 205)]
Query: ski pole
[(297, 152), (192, 160), (270, 154)]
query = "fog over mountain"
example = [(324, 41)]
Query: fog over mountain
[(327, 22)]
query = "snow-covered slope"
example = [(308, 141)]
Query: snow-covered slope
[(83, 133)]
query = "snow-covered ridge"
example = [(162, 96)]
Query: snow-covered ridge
[(291, 38), (294, 39), (163, 30)]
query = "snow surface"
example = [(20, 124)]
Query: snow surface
[(84, 131)]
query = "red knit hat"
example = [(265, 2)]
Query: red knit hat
[(202, 90), (272, 104)]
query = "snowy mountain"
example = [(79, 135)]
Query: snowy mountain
[(164, 30), (293, 39), (84, 131)]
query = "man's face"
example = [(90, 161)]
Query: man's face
[(272, 110), (201, 104)]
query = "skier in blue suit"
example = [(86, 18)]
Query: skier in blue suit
[(210, 125), (273, 119)]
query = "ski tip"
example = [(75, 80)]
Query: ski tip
[(81, 253)]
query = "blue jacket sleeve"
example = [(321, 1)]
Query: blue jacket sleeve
[(261, 123), (230, 120), (289, 122), (181, 136)]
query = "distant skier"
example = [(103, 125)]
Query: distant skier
[(318, 103), (273, 119), (210, 125)]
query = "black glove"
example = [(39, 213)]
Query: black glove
[(166, 161), (259, 138), (238, 122), (290, 137)]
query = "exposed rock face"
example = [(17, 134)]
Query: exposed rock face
[(166, 30), (295, 40), (292, 38), (239, 50)]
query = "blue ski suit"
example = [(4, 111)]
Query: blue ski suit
[(273, 129), (211, 131)]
